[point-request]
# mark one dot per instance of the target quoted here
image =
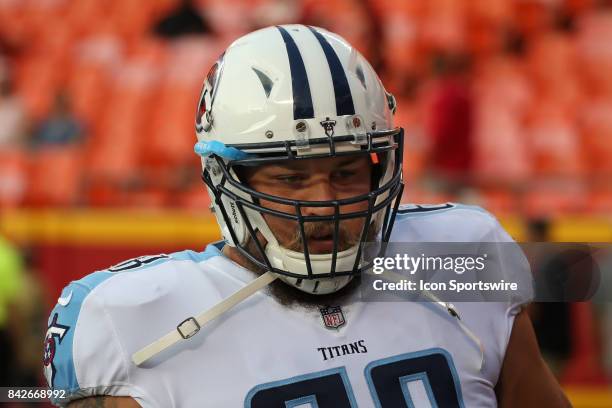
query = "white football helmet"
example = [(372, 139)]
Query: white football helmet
[(295, 92)]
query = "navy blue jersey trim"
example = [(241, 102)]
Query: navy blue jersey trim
[(302, 100), (420, 209), (342, 90)]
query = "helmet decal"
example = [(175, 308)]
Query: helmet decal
[(342, 90), (328, 125), (207, 96), (201, 107), (302, 100), (265, 80)]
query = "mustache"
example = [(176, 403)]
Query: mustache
[(315, 230)]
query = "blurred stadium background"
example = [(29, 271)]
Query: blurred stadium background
[(506, 104)]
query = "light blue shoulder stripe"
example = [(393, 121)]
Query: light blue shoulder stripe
[(189, 255), (58, 354)]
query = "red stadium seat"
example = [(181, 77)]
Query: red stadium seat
[(115, 148), (172, 134), (502, 96), (37, 83), (13, 177), (443, 28), (193, 199), (554, 142), (55, 176), (555, 199), (596, 122), (500, 201), (600, 202)]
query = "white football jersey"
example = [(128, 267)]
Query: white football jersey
[(263, 354)]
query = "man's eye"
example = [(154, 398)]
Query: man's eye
[(344, 174), (290, 179)]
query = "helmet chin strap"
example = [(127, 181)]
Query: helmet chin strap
[(295, 262)]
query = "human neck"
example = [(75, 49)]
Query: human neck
[(234, 255)]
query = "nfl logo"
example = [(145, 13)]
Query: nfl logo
[(332, 316)]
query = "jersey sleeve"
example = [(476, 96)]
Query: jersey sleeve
[(82, 353), (512, 266)]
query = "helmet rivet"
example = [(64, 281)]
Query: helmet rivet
[(269, 134), (356, 122), (300, 127)]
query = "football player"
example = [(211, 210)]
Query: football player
[(303, 165)]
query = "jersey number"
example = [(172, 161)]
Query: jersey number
[(413, 380)]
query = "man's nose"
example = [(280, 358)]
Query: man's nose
[(320, 191)]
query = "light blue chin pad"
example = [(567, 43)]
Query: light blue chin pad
[(205, 149)]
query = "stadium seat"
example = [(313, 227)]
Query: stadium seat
[(55, 176), (13, 177), (37, 82), (442, 27), (596, 123), (501, 149), (502, 96), (144, 198), (499, 201), (554, 199), (87, 16), (88, 89), (600, 202), (194, 199), (171, 136), (115, 148), (554, 142)]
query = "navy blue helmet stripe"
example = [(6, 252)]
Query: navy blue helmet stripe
[(342, 91), (302, 100)]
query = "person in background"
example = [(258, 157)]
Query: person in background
[(450, 125), (550, 319), (186, 19), (21, 320), (11, 285), (61, 127)]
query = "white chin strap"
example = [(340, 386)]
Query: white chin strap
[(295, 262)]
